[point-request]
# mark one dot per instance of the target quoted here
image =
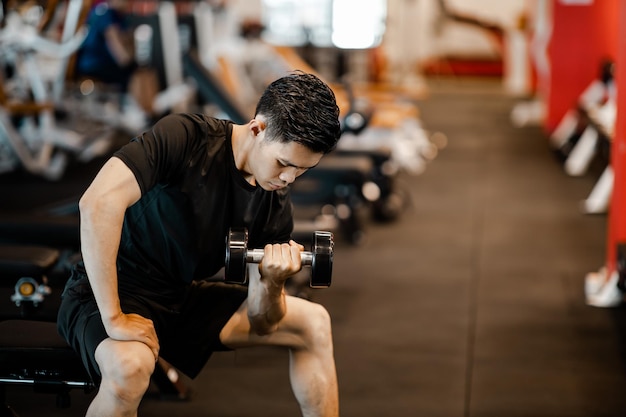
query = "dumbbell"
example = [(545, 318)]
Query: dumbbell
[(238, 256)]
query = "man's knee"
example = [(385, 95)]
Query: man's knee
[(318, 325), (125, 366)]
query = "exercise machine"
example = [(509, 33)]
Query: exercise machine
[(30, 133)]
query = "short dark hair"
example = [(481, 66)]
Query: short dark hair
[(301, 108)]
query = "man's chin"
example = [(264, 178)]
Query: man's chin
[(272, 187)]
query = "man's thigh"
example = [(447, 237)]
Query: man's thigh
[(291, 331)]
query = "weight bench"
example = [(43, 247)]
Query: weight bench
[(24, 283), (32, 353), (31, 237), (332, 191), (383, 173), (31, 350)]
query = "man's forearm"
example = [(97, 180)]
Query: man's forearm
[(266, 302)]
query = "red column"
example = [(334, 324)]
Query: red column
[(617, 209), (582, 36)]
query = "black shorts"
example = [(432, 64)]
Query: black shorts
[(187, 325)]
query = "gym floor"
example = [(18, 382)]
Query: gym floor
[(470, 304)]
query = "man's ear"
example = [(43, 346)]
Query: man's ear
[(257, 126)]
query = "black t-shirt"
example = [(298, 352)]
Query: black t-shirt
[(192, 193)]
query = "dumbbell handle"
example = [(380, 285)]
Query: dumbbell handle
[(255, 256)]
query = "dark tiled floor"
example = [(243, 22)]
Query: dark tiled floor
[(470, 304)]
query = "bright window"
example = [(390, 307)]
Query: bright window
[(349, 24), (358, 24)]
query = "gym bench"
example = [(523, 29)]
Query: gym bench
[(32, 353), (24, 282), (31, 350), (335, 185)]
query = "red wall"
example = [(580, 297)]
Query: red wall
[(582, 36)]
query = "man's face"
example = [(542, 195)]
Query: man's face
[(275, 164)]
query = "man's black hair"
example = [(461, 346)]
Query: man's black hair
[(301, 108)]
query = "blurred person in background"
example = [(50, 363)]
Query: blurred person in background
[(106, 54)]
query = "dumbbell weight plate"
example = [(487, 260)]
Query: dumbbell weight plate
[(236, 248), (322, 264)]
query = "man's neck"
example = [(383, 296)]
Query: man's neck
[(241, 143)]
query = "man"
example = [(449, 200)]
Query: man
[(153, 225)]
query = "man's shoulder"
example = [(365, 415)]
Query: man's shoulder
[(201, 121)]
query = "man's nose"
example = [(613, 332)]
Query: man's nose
[(288, 176)]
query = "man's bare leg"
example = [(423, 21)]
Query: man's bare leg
[(126, 370), (306, 331)]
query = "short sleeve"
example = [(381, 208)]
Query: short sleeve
[(161, 153)]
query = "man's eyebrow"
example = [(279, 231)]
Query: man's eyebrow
[(289, 164)]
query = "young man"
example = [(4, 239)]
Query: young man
[(153, 225)]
